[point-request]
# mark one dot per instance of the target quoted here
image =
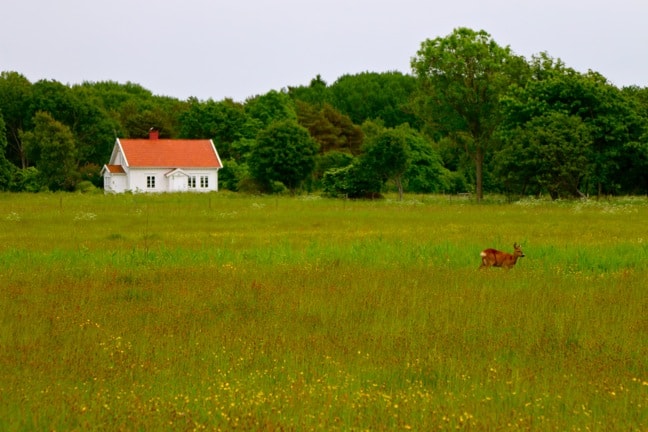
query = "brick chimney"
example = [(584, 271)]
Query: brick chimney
[(154, 134)]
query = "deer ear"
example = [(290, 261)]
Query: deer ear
[(515, 245)]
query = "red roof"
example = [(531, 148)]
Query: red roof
[(176, 153), (116, 169)]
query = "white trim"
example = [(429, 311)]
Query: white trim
[(175, 171)]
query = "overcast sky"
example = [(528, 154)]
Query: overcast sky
[(240, 48)]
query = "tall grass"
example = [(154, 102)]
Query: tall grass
[(221, 311)]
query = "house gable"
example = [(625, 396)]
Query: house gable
[(176, 173)]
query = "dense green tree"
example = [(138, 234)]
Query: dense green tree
[(331, 160), (425, 173), (550, 153), (15, 101), (54, 98), (139, 118), (635, 167), (402, 155), (352, 181), (405, 156), (316, 94), (387, 156), (51, 148), (6, 168), (615, 126), (233, 175), (125, 104), (134, 109), (225, 122), (77, 108), (462, 78), (375, 96), (332, 130), (94, 129), (271, 107), (113, 95), (26, 180), (284, 152)]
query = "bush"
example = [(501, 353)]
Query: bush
[(85, 186), (26, 180), (232, 175), (353, 181)]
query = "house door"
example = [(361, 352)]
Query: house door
[(178, 183)]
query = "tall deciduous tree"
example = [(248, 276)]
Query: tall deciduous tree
[(635, 178), (6, 167), (51, 147), (15, 100), (462, 78)]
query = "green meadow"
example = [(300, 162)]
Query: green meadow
[(226, 311)]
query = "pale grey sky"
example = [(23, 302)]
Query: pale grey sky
[(240, 48)]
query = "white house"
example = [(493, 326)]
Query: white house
[(162, 165)]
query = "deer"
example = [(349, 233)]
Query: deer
[(495, 258)]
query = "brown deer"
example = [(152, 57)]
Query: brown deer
[(495, 258)]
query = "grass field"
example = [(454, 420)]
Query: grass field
[(225, 311)]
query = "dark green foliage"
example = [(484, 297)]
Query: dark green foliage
[(387, 156), (6, 168), (271, 107), (549, 153), (51, 148), (85, 186), (284, 152), (375, 96), (330, 160), (353, 181), (425, 173), (26, 180), (15, 97), (92, 173), (224, 122), (364, 96), (401, 155), (332, 130), (232, 175), (603, 119), (316, 94)]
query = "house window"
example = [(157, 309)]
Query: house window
[(150, 182), (204, 181), (191, 182)]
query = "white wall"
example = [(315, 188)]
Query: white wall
[(162, 183), (114, 183)]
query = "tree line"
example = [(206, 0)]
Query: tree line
[(471, 117)]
